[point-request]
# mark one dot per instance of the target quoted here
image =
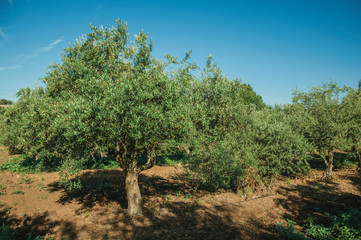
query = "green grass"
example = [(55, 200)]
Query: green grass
[(169, 160), (21, 164)]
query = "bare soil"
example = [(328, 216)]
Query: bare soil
[(34, 204)]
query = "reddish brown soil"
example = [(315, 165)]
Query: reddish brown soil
[(172, 209)]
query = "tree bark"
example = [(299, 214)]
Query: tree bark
[(135, 202), (359, 161), (328, 159)]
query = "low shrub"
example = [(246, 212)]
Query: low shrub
[(7, 233), (345, 226)]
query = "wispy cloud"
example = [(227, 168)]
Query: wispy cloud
[(11, 2), (50, 46), (100, 7), (10, 67), (3, 35), (24, 57)]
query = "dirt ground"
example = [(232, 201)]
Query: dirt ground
[(34, 204)]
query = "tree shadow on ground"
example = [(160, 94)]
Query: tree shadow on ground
[(184, 220), (163, 218), (98, 187), (30, 227), (105, 186), (355, 179), (318, 198)]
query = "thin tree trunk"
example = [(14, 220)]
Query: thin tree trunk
[(359, 161), (328, 159)]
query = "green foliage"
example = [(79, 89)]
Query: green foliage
[(326, 127), (100, 163), (237, 145), (7, 233), (21, 164), (68, 172), (289, 231), (107, 96), (18, 192), (25, 179), (221, 118), (250, 97), (346, 161), (5, 102), (171, 158), (278, 149), (218, 167), (22, 123), (2, 126), (351, 109), (346, 226)]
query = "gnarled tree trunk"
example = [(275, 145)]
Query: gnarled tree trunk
[(129, 163), (359, 161), (328, 159), (135, 202)]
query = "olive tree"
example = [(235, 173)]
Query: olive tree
[(221, 120), (325, 128), (21, 122), (242, 142), (278, 148), (108, 95), (351, 109)]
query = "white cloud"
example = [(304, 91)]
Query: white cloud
[(100, 7), (10, 67), (2, 34), (50, 46), (24, 57)]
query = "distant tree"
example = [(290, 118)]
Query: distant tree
[(109, 95), (5, 102), (251, 97), (325, 128), (20, 122)]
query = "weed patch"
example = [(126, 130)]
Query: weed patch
[(18, 192)]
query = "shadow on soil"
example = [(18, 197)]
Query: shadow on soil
[(319, 198), (356, 180), (31, 227), (163, 219)]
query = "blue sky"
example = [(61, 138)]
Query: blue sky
[(276, 46)]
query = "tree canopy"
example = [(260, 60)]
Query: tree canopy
[(107, 96), (325, 129)]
